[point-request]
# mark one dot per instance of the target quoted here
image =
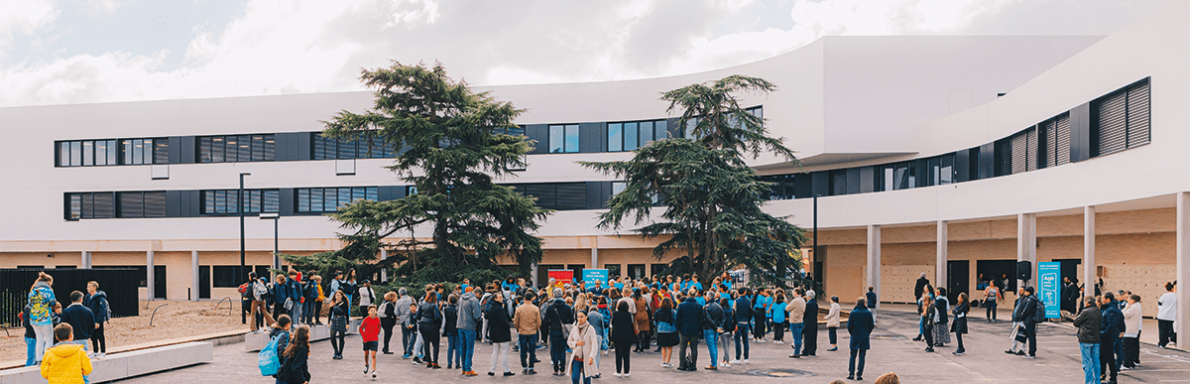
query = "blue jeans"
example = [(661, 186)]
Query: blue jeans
[(795, 329), (468, 347), (576, 372), (558, 350), (603, 340), (30, 351), (406, 335), (741, 332), (307, 311), (712, 340), (453, 354), (528, 346), (1119, 347), (1090, 353)]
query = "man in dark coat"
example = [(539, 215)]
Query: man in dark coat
[(922, 282), (810, 326), (1110, 331), (859, 326), (1029, 305), (689, 322), (1089, 322), (712, 323), (82, 320)]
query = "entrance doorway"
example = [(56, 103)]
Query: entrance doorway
[(958, 279), (159, 283), (204, 282), (996, 270)]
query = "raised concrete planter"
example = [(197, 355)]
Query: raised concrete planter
[(127, 364), (254, 342)]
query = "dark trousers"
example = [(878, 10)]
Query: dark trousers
[(388, 333), (1031, 335), (852, 367), (1165, 333), (929, 335), (759, 323), (558, 351), (959, 338), (430, 339), (832, 332), (337, 340), (688, 361), (623, 354), (98, 342), (318, 312), (406, 335), (991, 308), (528, 347), (809, 339), (643, 341), (1131, 351), (1107, 358), (779, 331)]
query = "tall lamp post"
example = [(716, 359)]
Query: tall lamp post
[(276, 218), (240, 208)]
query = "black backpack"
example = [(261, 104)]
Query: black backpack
[(1039, 309)]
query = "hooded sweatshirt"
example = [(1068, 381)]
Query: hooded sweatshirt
[(41, 304), (469, 313), (65, 364), (97, 303)]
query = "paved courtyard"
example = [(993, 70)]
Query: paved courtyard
[(985, 362)]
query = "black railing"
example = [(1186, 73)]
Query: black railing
[(121, 286)]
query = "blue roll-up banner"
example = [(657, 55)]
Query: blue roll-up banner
[(1049, 277), (591, 275)]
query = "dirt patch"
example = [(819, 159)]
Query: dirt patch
[(177, 319)]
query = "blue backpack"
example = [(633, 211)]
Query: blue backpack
[(268, 360)]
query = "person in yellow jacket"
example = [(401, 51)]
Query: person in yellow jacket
[(65, 363), (318, 303)]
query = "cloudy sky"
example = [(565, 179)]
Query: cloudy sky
[(76, 51)]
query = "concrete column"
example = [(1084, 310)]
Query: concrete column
[(383, 271), (194, 277), (86, 260), (1182, 274), (533, 273), (149, 274), (940, 276), (594, 258), (1089, 275), (1026, 244), (874, 261)]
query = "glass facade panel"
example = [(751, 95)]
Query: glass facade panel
[(76, 154), (572, 138), (631, 133), (303, 200), (330, 200), (646, 133), (88, 153), (615, 137), (315, 200), (344, 197), (557, 139)]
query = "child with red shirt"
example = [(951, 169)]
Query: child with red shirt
[(369, 330)]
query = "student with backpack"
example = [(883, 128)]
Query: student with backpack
[(429, 321), (271, 354), (450, 329), (297, 354), (96, 300), (388, 318)]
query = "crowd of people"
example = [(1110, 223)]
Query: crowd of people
[(57, 338), (575, 323)]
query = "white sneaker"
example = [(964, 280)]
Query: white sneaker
[(778, 342), (617, 374), (663, 365), (627, 374), (736, 361), (102, 355), (761, 341), (605, 353), (745, 361), (726, 365), (373, 374)]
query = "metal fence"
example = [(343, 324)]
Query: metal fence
[(120, 285)]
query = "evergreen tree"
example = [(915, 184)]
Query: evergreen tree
[(453, 143), (712, 199)]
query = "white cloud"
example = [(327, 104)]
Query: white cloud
[(287, 46)]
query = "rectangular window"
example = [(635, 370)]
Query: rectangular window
[(631, 133), (1121, 120), (132, 204), (223, 276), (64, 154), (160, 151), (948, 171), (232, 148), (76, 154), (74, 204), (659, 130), (572, 138), (317, 200), (272, 201), (615, 137), (564, 138), (88, 153), (303, 200), (330, 199), (155, 204), (646, 133)]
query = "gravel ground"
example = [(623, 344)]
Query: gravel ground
[(178, 319)]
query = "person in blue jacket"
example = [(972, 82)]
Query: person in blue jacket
[(743, 317), (777, 313), (1111, 329), (280, 294), (859, 326), (689, 322)]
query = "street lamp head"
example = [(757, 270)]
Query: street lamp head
[(270, 216), (245, 174)]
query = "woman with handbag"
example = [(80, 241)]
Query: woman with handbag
[(338, 312), (624, 334), (585, 345), (959, 325)]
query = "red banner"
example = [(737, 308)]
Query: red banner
[(561, 276)]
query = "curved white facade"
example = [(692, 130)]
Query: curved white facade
[(842, 102)]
